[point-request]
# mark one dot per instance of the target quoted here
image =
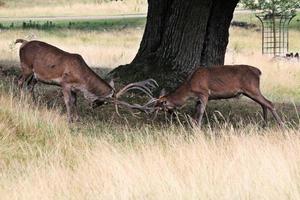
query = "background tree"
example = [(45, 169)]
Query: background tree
[(179, 36), (272, 9)]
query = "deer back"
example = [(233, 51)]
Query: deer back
[(53, 65), (224, 78)]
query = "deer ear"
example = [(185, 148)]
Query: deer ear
[(162, 93), (111, 83)]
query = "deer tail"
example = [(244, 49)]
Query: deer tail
[(20, 41), (255, 70), (258, 72)]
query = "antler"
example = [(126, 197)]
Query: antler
[(144, 108), (144, 86)]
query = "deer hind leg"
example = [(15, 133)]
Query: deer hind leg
[(200, 108), (266, 105), (25, 74), (30, 86), (265, 114)]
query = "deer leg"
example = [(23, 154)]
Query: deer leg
[(265, 114), (69, 102), (26, 73), (200, 108), (30, 85), (22, 78), (267, 105), (74, 104), (274, 113)]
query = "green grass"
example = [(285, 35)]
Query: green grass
[(252, 19), (29, 3), (89, 25)]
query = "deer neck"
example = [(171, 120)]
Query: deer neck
[(179, 96), (96, 88)]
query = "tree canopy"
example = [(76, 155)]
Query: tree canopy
[(272, 6)]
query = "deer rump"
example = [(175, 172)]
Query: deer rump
[(42, 62)]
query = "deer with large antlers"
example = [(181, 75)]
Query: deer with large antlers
[(219, 82), (42, 62)]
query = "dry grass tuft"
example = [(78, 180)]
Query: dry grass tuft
[(148, 163)]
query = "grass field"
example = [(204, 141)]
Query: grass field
[(252, 19), (104, 156), (26, 8)]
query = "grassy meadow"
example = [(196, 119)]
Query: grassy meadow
[(104, 156), (25, 8)]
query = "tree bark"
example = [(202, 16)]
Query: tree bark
[(179, 37)]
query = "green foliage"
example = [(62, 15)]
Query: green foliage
[(272, 6)]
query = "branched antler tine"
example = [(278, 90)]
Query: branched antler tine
[(123, 90), (149, 82), (135, 106), (153, 82), (155, 115), (142, 85), (142, 108), (151, 101), (132, 86), (117, 109), (151, 85), (146, 91)]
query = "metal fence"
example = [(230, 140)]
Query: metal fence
[(275, 33)]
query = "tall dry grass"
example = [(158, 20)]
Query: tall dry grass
[(42, 158)]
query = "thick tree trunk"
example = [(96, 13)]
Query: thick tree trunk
[(217, 32), (180, 36)]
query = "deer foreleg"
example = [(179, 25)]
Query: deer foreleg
[(70, 101), (74, 104), (200, 108)]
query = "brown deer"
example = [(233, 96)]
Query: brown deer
[(219, 82), (42, 62)]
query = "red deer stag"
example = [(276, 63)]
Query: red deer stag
[(48, 64), (219, 82)]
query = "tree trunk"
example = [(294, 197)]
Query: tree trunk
[(180, 36)]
